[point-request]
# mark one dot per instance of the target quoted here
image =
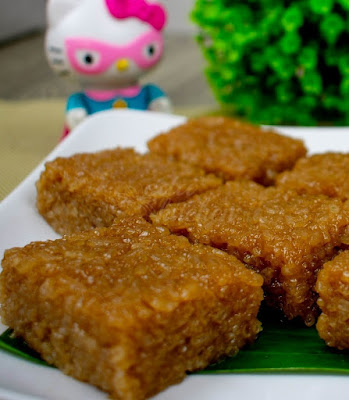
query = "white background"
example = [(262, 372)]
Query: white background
[(178, 12), (20, 16)]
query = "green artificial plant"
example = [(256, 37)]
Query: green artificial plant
[(278, 61)]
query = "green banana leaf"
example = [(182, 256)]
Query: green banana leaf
[(281, 347), (18, 347), (285, 346)]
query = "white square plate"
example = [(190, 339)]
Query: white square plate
[(20, 224)]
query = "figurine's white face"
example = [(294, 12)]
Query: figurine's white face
[(86, 42)]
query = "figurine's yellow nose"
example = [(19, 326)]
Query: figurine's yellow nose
[(123, 64)]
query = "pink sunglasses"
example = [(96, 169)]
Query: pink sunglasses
[(90, 56)]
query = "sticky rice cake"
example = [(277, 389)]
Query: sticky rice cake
[(129, 308), (91, 190), (319, 174), (230, 148), (333, 288), (284, 236)]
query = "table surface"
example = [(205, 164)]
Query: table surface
[(32, 99), (30, 129)]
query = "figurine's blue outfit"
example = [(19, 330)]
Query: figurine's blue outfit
[(141, 101)]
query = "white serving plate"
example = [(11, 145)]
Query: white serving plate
[(20, 224)]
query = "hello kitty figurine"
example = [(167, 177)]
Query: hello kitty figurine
[(107, 45)]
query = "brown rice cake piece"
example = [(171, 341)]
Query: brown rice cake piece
[(333, 287), (230, 148), (129, 308), (319, 174), (284, 236), (91, 190)]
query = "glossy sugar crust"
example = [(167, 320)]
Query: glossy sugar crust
[(129, 308), (86, 191), (319, 174), (230, 148), (284, 236), (333, 288)]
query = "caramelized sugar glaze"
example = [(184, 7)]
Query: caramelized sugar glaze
[(129, 308), (284, 236), (230, 148)]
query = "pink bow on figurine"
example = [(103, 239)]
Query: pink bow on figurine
[(153, 14)]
